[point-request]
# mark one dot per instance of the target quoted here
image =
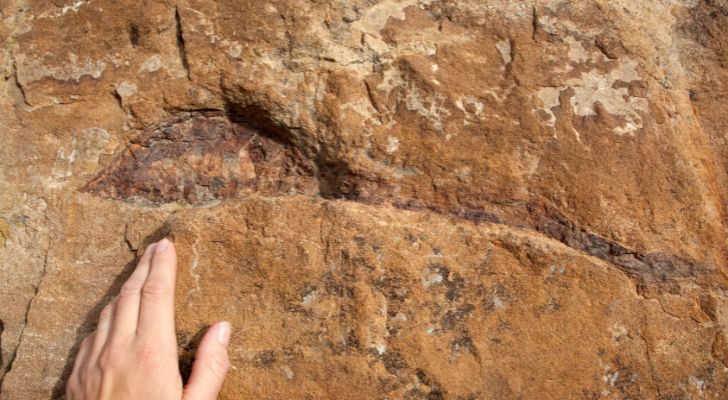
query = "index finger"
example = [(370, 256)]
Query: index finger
[(156, 311)]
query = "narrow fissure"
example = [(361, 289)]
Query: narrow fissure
[(181, 42), (14, 355)]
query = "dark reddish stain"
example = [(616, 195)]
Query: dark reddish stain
[(204, 156)]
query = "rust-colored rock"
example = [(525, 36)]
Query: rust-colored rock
[(402, 199)]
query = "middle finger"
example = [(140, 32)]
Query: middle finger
[(126, 313)]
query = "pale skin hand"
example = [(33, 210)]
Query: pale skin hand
[(133, 352)]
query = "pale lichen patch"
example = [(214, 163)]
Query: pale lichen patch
[(429, 106), (549, 98), (31, 69), (151, 64), (618, 332), (391, 78), (504, 48), (375, 18), (400, 173), (288, 372), (232, 48), (471, 107), (61, 11), (698, 384), (72, 7), (309, 298), (86, 146), (126, 89), (548, 24), (596, 86), (432, 277), (577, 52), (392, 144)]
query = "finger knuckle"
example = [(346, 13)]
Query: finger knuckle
[(112, 358), (129, 288), (218, 365), (148, 354), (155, 290), (72, 388)]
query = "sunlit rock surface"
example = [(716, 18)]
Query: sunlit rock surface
[(410, 199)]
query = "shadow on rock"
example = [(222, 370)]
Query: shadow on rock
[(89, 323)]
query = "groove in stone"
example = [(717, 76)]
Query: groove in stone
[(181, 42), (208, 155)]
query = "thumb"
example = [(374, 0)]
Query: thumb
[(211, 364)]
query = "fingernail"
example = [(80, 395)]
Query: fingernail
[(223, 333), (161, 246)]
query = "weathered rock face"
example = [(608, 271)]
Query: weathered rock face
[(412, 199)]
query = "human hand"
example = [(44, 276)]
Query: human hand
[(132, 355)]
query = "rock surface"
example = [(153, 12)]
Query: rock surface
[(412, 199)]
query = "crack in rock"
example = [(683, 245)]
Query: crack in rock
[(14, 355), (647, 268), (181, 46), (201, 157)]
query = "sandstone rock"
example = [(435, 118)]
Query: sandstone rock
[(394, 199)]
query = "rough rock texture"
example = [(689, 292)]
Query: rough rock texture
[(412, 199)]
